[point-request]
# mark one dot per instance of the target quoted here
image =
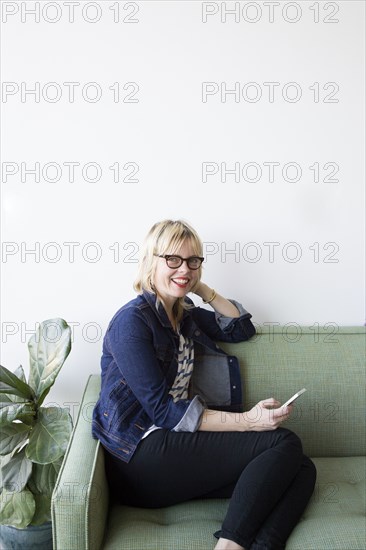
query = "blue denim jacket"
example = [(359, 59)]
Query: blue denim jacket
[(139, 365)]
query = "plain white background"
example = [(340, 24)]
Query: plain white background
[(289, 247)]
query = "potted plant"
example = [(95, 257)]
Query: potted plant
[(33, 439)]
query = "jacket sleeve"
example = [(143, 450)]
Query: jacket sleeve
[(129, 340), (224, 329)]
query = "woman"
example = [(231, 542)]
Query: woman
[(168, 416)]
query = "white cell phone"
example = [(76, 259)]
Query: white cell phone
[(294, 397)]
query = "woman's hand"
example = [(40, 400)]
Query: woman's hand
[(219, 303), (262, 417), (199, 288), (266, 415)]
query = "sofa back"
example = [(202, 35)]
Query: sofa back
[(330, 363)]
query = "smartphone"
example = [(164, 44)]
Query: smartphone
[(294, 397)]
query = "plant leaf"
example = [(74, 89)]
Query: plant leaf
[(50, 435), (11, 384), (17, 509), (10, 410), (43, 478), (15, 471), (7, 398), (28, 417), (19, 372), (43, 396), (12, 435), (48, 349), (42, 483)]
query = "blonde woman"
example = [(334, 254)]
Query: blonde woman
[(167, 415)]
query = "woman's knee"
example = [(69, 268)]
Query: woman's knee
[(289, 438), (310, 468)]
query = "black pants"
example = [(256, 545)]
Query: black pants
[(265, 474)]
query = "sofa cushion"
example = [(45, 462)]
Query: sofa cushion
[(330, 417), (334, 518)]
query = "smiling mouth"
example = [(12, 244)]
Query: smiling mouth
[(181, 282)]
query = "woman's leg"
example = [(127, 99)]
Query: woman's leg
[(270, 495), (170, 467), (288, 511)]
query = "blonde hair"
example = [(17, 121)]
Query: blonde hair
[(165, 237)]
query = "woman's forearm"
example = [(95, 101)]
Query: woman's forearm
[(265, 415), (219, 303), (220, 421)]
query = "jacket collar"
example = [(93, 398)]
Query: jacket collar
[(160, 311)]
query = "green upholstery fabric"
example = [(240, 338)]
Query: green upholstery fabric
[(329, 417), (338, 502), (80, 500)]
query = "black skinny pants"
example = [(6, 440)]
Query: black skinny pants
[(265, 474)]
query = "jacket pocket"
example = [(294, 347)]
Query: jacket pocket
[(120, 402)]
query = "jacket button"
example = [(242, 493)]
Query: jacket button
[(234, 387), (197, 333), (230, 360)]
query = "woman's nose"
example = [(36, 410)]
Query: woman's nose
[(184, 267)]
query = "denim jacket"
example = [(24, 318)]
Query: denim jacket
[(139, 365)]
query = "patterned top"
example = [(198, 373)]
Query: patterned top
[(179, 389)]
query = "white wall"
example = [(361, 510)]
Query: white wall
[(167, 127)]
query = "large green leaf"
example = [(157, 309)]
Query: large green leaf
[(10, 410), (17, 509), (12, 435), (7, 398), (11, 384), (50, 435), (43, 478), (42, 483), (15, 471), (48, 349), (27, 416)]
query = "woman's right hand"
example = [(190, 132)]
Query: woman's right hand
[(266, 415)]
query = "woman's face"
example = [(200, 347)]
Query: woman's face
[(171, 284)]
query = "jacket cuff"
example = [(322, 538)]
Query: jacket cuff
[(192, 417), (224, 322)]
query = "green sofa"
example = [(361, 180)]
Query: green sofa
[(329, 418)]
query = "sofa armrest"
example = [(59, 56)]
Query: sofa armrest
[(80, 499)]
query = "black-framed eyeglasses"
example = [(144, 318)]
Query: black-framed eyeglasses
[(173, 261)]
